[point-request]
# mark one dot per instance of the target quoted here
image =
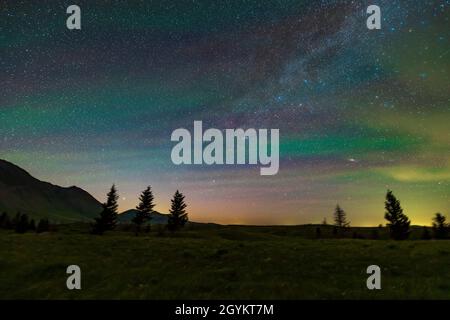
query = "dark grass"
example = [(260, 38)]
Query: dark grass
[(218, 262)]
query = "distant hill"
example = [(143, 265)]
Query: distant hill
[(19, 191), (157, 218)]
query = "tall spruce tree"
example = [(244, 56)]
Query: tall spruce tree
[(340, 217), (440, 227), (144, 209), (108, 216), (398, 221), (178, 215)]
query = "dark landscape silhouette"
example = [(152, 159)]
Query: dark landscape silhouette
[(28, 204), (139, 254)]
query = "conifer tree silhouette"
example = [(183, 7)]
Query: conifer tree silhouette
[(144, 209), (178, 215), (340, 220), (440, 227), (340, 217), (398, 221), (108, 216)]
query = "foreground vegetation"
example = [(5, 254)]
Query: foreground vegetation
[(221, 262)]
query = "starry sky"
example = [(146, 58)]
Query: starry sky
[(359, 111)]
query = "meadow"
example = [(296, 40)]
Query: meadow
[(221, 262)]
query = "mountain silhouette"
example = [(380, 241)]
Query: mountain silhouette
[(157, 218), (19, 191)]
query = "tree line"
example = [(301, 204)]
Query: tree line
[(21, 223), (107, 220), (398, 222), (108, 217)]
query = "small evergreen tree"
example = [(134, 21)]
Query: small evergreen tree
[(144, 209), (22, 223), (398, 221), (108, 216), (340, 218), (324, 222), (178, 215), (43, 226), (440, 227)]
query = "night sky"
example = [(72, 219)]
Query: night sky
[(359, 111)]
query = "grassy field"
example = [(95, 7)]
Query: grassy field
[(219, 263)]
